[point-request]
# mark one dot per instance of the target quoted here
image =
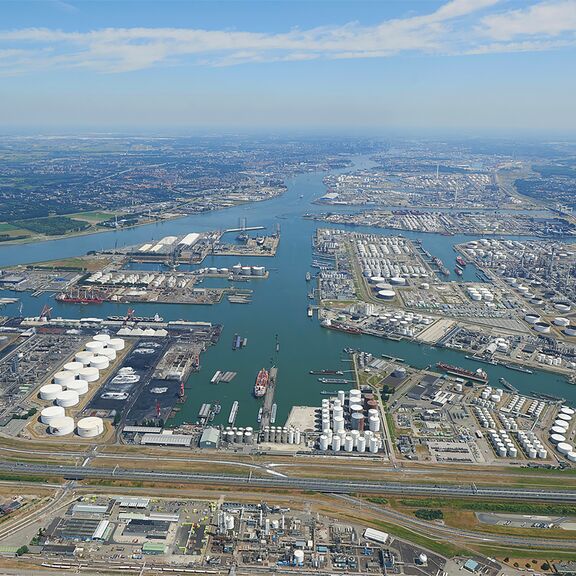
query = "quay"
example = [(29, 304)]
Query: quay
[(269, 398)]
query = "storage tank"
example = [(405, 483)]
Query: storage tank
[(73, 367), (558, 430), (531, 318), (258, 270), (373, 445), (94, 346), (341, 396), (63, 377), (361, 445), (109, 353), (61, 426), (542, 327), (336, 443), (50, 413), (248, 437), (564, 448), (561, 321), (561, 423), (356, 408), (116, 344), (374, 424), (570, 330), (100, 362), (84, 357), (67, 398), (324, 442), (571, 456), (90, 427), (386, 294), (348, 444), (78, 386), (567, 410), (357, 421), (564, 417), (50, 391), (298, 557), (104, 338), (246, 271), (90, 374), (297, 436), (338, 424)]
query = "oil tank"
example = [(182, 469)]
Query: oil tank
[(78, 386), (116, 344), (348, 444), (84, 357), (73, 367), (109, 353), (50, 391), (90, 374), (336, 443), (361, 445), (94, 346), (90, 427), (51, 413), (67, 398), (100, 362), (61, 426), (104, 338), (357, 421), (64, 377), (323, 442)]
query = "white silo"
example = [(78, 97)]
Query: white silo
[(324, 442), (50, 413), (50, 391), (67, 398), (63, 377), (348, 444), (62, 426), (336, 443), (361, 445), (373, 445), (297, 436), (338, 424), (341, 397), (374, 423)]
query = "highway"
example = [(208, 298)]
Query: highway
[(309, 484)]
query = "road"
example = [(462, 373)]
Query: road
[(310, 484)]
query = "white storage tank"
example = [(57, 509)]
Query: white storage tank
[(78, 386), (94, 346), (109, 353), (84, 357), (90, 427), (373, 445), (116, 344), (361, 444), (67, 398), (100, 362), (561, 423), (63, 377), (571, 456), (348, 444), (374, 424), (90, 374), (561, 321), (336, 443), (61, 426), (567, 410), (73, 367), (564, 417), (50, 391), (50, 413), (564, 448), (104, 338), (258, 270)]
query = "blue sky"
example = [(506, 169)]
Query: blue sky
[(380, 65)]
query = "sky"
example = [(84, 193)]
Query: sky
[(374, 66)]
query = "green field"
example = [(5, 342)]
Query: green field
[(93, 217), (53, 225)]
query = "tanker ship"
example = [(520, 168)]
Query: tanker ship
[(478, 376), (261, 383)]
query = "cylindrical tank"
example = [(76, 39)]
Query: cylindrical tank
[(298, 557), (567, 410), (357, 421), (361, 445), (422, 558), (61, 426), (84, 357), (291, 436), (338, 424), (90, 427), (104, 338), (564, 448), (94, 346), (78, 386), (73, 367), (356, 408), (116, 344), (565, 417), (324, 442), (110, 353), (239, 437), (348, 444), (248, 437), (373, 445), (100, 362), (67, 398), (561, 423), (374, 423), (64, 377), (50, 413), (297, 436), (355, 435), (50, 391), (336, 443), (558, 430), (90, 374), (341, 397), (571, 456)]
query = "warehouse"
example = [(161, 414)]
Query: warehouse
[(210, 438), (166, 440)]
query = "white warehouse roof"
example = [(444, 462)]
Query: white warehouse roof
[(167, 439), (376, 535), (189, 239)]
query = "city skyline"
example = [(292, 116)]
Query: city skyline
[(460, 65)]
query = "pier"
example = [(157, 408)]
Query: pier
[(269, 398)]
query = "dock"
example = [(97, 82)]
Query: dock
[(269, 398), (246, 229)]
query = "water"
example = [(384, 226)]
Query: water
[(278, 308)]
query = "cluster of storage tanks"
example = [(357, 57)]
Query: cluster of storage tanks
[(480, 293), (405, 323), (559, 434), (235, 435), (492, 394), (351, 423), (531, 445), (374, 256), (72, 382), (141, 279), (281, 435), (484, 417), (502, 444), (236, 270), (515, 404)]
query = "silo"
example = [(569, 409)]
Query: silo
[(374, 424), (348, 444), (372, 412), (323, 442), (50, 391), (64, 377), (62, 426), (67, 398), (238, 437), (297, 436), (50, 413), (355, 435), (338, 412), (361, 445), (116, 344), (373, 445), (248, 437), (356, 408), (284, 436), (336, 443), (338, 425), (291, 436)]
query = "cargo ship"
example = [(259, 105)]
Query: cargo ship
[(460, 261), (478, 376), (261, 383), (79, 298), (342, 328), (324, 372)]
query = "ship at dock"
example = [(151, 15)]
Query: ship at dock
[(324, 372), (460, 261), (79, 297), (261, 384), (478, 376)]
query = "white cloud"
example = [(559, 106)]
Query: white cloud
[(457, 27)]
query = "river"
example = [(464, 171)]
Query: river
[(278, 308)]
